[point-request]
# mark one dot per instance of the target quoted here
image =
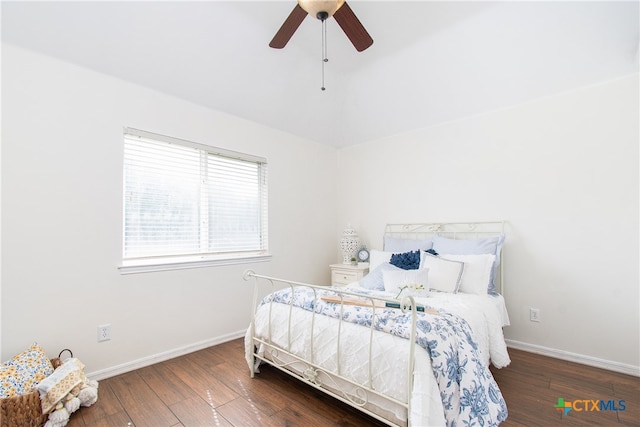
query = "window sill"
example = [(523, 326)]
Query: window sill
[(181, 263)]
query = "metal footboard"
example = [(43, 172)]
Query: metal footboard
[(334, 383)]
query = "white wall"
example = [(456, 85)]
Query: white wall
[(563, 171), (62, 150)]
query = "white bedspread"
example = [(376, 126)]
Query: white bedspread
[(485, 315)]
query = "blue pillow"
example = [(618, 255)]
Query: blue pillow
[(406, 260), (374, 280), (397, 244)]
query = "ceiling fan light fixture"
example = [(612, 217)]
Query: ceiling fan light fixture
[(321, 9)]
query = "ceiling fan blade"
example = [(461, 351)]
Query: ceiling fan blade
[(289, 27), (352, 27)]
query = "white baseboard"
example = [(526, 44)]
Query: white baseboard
[(161, 357), (575, 357), (532, 348)]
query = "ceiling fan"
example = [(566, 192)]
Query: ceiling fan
[(324, 9)]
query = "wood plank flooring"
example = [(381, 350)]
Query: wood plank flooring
[(212, 387), (532, 384)]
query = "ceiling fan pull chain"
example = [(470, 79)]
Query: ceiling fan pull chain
[(324, 49)]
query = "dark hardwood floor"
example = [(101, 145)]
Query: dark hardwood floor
[(212, 387), (532, 384)]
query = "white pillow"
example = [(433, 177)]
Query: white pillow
[(444, 274), (374, 280), (394, 281), (476, 275), (488, 245), (377, 257)]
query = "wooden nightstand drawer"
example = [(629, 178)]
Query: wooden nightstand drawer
[(342, 277), (343, 274)]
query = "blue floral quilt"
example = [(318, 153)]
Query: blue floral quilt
[(469, 393)]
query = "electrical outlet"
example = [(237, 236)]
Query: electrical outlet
[(104, 332), (534, 314)]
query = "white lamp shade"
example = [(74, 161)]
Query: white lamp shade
[(313, 7)]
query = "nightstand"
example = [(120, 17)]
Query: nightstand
[(343, 274)]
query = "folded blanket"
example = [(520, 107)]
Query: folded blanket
[(57, 385)]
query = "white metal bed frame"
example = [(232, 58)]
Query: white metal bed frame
[(332, 383), (308, 370)]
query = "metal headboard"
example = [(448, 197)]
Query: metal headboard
[(452, 230)]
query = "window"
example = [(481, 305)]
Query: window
[(187, 204)]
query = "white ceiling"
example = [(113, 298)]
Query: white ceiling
[(431, 62)]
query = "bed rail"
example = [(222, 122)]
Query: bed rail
[(310, 371)]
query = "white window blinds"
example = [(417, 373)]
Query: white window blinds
[(186, 199)]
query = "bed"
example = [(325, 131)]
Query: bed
[(410, 343)]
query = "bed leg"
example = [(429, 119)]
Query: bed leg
[(254, 366), (252, 346)]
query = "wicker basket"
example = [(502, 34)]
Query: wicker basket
[(24, 410)]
